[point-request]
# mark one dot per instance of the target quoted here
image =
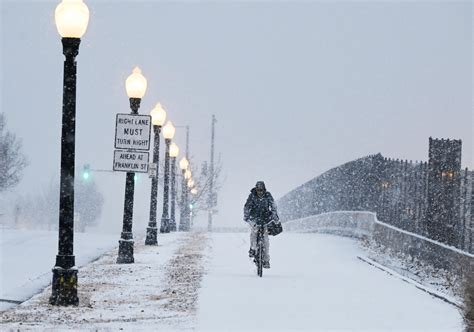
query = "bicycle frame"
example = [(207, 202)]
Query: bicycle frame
[(260, 254)]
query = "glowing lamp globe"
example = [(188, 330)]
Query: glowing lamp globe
[(72, 18), (168, 130), (136, 84), (158, 115), (187, 174), (174, 150), (183, 163)]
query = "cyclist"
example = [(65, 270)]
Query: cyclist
[(260, 209)]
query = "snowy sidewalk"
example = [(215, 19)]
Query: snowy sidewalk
[(159, 291)]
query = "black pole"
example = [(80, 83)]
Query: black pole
[(125, 253), (152, 230), (181, 205), (173, 195), (165, 221), (184, 217), (64, 284)]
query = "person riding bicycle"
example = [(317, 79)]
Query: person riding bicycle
[(260, 209)]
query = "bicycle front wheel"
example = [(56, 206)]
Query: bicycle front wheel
[(260, 259)]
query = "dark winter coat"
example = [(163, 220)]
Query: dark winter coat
[(260, 210)]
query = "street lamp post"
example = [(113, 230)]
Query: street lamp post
[(158, 117), (168, 134), (174, 151), (72, 17), (183, 165), (136, 86), (190, 186)]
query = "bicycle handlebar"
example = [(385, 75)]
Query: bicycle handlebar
[(260, 225)]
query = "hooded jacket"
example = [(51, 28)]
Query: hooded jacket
[(260, 210)]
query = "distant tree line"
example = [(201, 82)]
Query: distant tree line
[(41, 211)]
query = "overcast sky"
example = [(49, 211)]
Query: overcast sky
[(298, 87)]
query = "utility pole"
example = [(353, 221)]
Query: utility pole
[(210, 201)]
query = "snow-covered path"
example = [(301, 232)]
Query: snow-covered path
[(315, 283), (205, 282)]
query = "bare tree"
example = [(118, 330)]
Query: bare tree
[(202, 185), (12, 160)]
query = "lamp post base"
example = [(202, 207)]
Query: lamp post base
[(64, 287), (151, 236), (172, 225), (125, 255), (165, 225), (183, 227)]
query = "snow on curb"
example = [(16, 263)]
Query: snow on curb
[(430, 291)]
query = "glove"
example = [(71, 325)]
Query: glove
[(251, 222)]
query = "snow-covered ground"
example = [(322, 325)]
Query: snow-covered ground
[(316, 283), (206, 282), (27, 257)]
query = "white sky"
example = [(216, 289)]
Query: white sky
[(297, 87)]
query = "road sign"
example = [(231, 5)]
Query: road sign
[(131, 161), (132, 132), (152, 170)]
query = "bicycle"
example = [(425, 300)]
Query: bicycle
[(260, 254)]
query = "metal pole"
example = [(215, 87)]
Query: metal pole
[(165, 227), (182, 215), (152, 230), (125, 254), (210, 202), (64, 284), (181, 204), (173, 195)]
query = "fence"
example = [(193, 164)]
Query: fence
[(397, 191)]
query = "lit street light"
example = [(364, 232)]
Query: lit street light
[(174, 151), (183, 164), (187, 174), (72, 17), (158, 117), (168, 134), (135, 85)]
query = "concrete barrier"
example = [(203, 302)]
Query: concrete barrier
[(387, 239)]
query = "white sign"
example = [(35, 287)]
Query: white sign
[(132, 132), (131, 161), (152, 170)]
